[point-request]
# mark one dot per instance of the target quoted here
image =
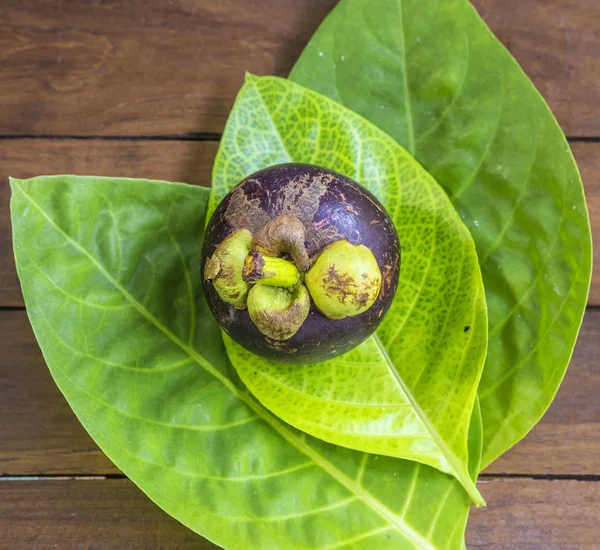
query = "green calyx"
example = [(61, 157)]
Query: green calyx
[(278, 312), (345, 280), (224, 268), (248, 271)]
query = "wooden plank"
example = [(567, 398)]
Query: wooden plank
[(588, 160), (108, 514), (187, 161), (157, 68), (40, 435), (141, 67), (536, 515), (113, 514)]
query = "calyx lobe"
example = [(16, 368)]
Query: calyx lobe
[(267, 272)]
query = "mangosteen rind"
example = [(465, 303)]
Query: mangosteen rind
[(330, 207)]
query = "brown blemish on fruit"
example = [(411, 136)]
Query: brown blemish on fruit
[(276, 324), (245, 212), (362, 299), (343, 287), (282, 322), (348, 206), (281, 345), (386, 280), (212, 268), (367, 197), (338, 285), (253, 267), (352, 210), (300, 196), (387, 277)]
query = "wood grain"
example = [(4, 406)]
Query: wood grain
[(588, 160), (113, 514), (186, 161), (141, 67), (528, 514), (173, 68), (97, 514), (40, 435), (164, 68)]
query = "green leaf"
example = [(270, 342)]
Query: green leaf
[(475, 441), (475, 446), (409, 390), (432, 75), (110, 275)]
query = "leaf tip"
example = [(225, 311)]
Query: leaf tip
[(249, 77), (480, 504)]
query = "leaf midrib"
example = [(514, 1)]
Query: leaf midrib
[(328, 467), (460, 472)]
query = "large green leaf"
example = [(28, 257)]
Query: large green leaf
[(409, 390), (432, 75), (110, 275)]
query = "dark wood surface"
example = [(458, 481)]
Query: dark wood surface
[(143, 88), (147, 67), (87, 513), (90, 514), (185, 161)]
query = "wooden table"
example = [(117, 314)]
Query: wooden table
[(143, 88)]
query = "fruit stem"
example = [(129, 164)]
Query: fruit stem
[(283, 235), (269, 270)]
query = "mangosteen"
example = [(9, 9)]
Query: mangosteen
[(300, 263)]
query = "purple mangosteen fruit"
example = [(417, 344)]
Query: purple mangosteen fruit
[(299, 263)]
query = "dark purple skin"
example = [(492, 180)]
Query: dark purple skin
[(331, 207)]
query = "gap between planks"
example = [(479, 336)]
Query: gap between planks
[(191, 136), (482, 477), (61, 477)]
